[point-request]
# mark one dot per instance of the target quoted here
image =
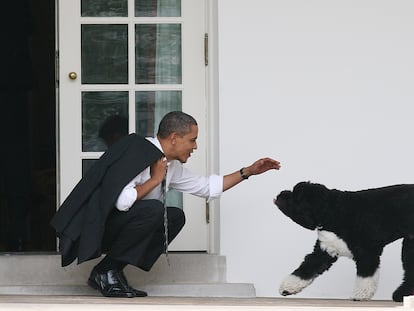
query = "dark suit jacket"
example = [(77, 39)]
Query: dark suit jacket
[(80, 221)]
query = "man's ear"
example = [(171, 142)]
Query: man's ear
[(173, 138)]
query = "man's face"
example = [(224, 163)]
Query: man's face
[(185, 145)]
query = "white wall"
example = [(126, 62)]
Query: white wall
[(327, 88)]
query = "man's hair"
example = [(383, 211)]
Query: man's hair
[(175, 122)]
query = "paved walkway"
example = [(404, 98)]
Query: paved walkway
[(89, 303)]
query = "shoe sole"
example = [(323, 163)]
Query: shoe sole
[(93, 284), (140, 294)]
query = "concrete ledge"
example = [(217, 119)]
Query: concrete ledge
[(235, 290), (84, 303), (202, 290)]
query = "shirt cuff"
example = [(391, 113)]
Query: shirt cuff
[(216, 187)]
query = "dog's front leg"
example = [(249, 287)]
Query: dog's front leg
[(312, 266), (366, 281)]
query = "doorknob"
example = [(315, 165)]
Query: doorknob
[(72, 75)]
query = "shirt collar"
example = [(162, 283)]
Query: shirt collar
[(155, 142)]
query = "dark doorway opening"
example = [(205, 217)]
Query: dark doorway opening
[(28, 127)]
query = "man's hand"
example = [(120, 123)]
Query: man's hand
[(258, 167), (261, 166), (158, 170)]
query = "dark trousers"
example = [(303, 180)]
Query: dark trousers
[(136, 236)]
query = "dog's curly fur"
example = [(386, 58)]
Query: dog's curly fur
[(356, 224)]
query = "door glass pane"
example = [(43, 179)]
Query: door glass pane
[(174, 198), (104, 8), (158, 54), (104, 119), (104, 54), (153, 8), (151, 106)]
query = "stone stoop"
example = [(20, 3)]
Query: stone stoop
[(189, 275)]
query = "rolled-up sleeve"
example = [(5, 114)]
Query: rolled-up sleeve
[(216, 187), (183, 180), (129, 194), (126, 198), (178, 178)]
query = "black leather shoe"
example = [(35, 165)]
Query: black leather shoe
[(137, 292), (109, 284)]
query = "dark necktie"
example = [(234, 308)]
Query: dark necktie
[(164, 201)]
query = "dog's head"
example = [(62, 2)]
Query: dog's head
[(305, 204)]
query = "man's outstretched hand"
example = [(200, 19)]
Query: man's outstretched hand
[(261, 166)]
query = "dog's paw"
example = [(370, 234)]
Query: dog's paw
[(405, 289), (293, 284), (365, 287)]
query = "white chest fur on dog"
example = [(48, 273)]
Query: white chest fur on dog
[(333, 245)]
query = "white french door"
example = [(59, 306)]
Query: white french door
[(125, 63)]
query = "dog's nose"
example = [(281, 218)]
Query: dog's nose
[(278, 201)]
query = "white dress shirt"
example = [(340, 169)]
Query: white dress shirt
[(178, 178)]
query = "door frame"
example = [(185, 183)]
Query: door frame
[(212, 141)]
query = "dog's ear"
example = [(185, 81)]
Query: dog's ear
[(300, 190), (316, 194)]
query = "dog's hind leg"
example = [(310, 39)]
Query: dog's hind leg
[(312, 266), (407, 256)]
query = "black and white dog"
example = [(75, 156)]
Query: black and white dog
[(355, 224)]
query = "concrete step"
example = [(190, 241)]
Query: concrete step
[(189, 274)]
